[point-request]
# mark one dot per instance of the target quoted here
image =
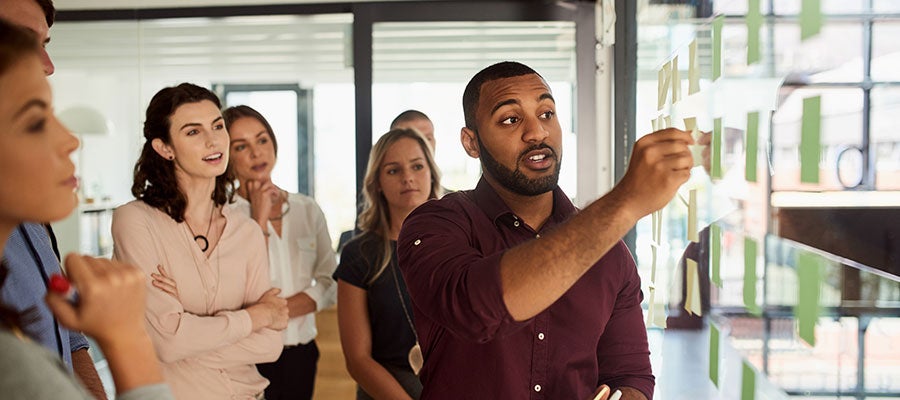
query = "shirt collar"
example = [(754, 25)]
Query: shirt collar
[(492, 204)]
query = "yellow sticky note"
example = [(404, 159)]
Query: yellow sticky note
[(692, 291), (693, 234), (654, 125), (667, 122), (650, 308), (659, 316), (676, 81), (693, 68), (690, 125), (663, 85)]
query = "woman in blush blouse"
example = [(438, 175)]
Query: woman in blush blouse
[(300, 257), (374, 311), (224, 317)]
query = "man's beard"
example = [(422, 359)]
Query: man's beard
[(514, 180)]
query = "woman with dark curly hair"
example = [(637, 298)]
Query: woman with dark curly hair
[(224, 317)]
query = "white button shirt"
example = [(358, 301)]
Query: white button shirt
[(301, 260)]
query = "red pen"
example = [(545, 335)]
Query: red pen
[(60, 285)]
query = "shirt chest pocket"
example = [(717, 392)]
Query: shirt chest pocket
[(306, 250)]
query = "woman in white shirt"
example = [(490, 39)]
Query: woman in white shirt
[(300, 257)]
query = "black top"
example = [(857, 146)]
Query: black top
[(391, 335)]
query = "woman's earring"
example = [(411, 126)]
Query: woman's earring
[(171, 158)]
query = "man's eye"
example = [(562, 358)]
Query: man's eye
[(548, 114), (510, 121)]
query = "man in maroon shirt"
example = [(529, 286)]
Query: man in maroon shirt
[(515, 295)]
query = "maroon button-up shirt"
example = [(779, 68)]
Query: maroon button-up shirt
[(449, 252)]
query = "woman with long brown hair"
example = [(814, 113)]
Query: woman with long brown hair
[(224, 316), (374, 312), (38, 184)]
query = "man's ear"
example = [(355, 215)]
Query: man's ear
[(469, 141), (164, 150)]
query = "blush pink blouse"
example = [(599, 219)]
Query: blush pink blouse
[(204, 338)]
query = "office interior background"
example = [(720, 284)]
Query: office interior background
[(793, 213)]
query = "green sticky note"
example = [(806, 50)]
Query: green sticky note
[(810, 140), (750, 276), (717, 24), (754, 23), (715, 253), (810, 18), (809, 277), (714, 354), (716, 150), (748, 382), (751, 145)]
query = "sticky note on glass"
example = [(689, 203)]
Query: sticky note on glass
[(751, 144), (692, 233), (748, 382), (663, 84), (693, 68), (754, 23), (659, 316), (715, 253), (810, 18), (809, 278), (692, 290), (690, 125), (717, 25), (676, 81), (716, 150), (810, 140), (750, 277), (651, 308), (714, 354)]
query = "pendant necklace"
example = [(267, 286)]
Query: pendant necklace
[(202, 240)]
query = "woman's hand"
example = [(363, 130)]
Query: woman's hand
[(270, 311), (262, 196), (163, 282), (111, 302)]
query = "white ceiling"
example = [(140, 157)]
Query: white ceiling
[(131, 4)]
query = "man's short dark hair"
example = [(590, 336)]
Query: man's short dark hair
[(501, 70), (48, 9), (407, 116)]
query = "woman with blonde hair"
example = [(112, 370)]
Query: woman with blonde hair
[(374, 312)]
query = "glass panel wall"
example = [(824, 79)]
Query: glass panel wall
[(117, 66), (426, 65)]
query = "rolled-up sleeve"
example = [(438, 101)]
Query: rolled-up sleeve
[(449, 280)]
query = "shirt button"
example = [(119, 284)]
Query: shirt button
[(537, 236), (516, 224), (417, 242), (537, 388), (541, 336)]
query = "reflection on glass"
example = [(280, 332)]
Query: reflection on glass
[(886, 137), (840, 129), (885, 51)]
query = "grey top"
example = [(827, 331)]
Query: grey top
[(29, 371)]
